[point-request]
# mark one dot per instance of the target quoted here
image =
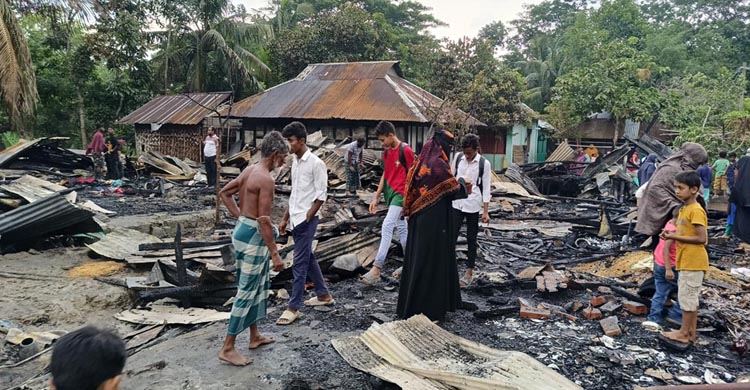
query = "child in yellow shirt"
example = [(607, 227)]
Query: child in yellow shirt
[(692, 257)]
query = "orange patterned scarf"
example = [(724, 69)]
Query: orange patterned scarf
[(430, 177)]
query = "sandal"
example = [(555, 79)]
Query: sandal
[(369, 279), (287, 317), (466, 282), (317, 302)]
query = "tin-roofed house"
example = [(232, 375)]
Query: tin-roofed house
[(175, 125), (347, 100)]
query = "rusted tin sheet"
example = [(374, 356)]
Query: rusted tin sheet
[(351, 91), (187, 109)]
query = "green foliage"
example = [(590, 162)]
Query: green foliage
[(10, 138), (208, 46), (341, 35), (619, 80), (470, 77), (622, 19)]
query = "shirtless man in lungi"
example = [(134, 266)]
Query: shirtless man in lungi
[(254, 240)]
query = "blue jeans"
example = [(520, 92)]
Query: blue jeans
[(305, 264), (663, 288)]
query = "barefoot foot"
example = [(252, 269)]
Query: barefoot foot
[(234, 358), (257, 342)]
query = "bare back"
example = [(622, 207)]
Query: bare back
[(256, 190)]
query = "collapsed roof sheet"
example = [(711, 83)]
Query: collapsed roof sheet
[(40, 218), (416, 353)]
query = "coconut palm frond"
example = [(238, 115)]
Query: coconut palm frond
[(253, 60), (17, 80)]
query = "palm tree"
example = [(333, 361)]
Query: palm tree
[(18, 91), (546, 62), (217, 40), (17, 81)]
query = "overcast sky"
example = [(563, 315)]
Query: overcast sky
[(464, 17)]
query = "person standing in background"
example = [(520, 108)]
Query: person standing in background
[(210, 148), (112, 156), (704, 171), (96, 150), (720, 168), (353, 159)]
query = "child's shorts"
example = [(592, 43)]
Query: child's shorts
[(689, 289)]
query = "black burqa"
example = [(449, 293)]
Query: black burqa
[(741, 198), (429, 281)]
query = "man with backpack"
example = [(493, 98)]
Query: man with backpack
[(476, 171), (397, 159)]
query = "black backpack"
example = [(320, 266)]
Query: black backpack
[(401, 155), (481, 169)]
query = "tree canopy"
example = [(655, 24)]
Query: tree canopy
[(68, 67)]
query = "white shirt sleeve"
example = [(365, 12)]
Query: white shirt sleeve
[(320, 178), (487, 182)]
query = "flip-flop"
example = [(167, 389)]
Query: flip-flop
[(288, 317), (674, 344), (314, 301), (397, 273), (369, 279)]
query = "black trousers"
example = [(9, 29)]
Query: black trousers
[(472, 229), (210, 162), (113, 166)]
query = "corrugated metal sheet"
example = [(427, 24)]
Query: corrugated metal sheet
[(418, 354), (121, 243), (632, 128), (44, 153), (350, 91), (39, 219), (10, 153), (188, 109), (563, 153)]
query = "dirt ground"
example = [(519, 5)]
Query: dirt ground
[(56, 290)]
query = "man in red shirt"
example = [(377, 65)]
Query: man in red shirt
[(397, 159)]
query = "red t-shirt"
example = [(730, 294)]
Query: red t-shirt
[(395, 174)]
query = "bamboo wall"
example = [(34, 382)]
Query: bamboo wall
[(181, 142)]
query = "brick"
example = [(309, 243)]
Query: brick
[(572, 307), (592, 314), (523, 302), (611, 326), (566, 315), (598, 301), (635, 308), (540, 283), (610, 307), (550, 307), (604, 290), (532, 313)]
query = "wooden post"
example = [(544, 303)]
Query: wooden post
[(181, 268)]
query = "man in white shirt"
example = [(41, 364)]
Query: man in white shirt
[(210, 146), (467, 165), (309, 192)]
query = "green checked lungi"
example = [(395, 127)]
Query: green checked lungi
[(253, 280), (352, 179)]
